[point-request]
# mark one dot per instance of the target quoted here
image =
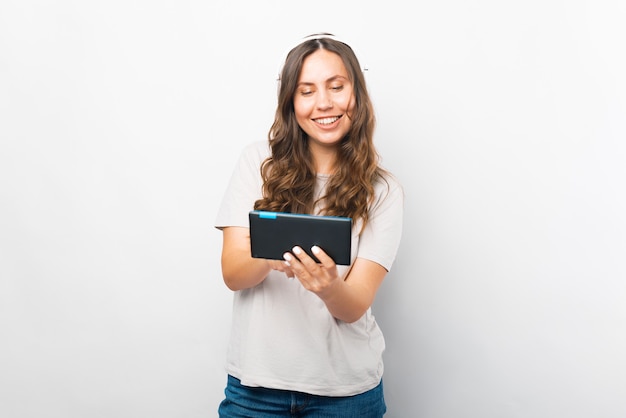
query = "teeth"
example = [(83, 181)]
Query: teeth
[(326, 121)]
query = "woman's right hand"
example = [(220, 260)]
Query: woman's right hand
[(279, 265)]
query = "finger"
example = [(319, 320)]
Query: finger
[(308, 270), (324, 258), (276, 265), (314, 276), (296, 261), (308, 262), (281, 266), (290, 274), (291, 263)]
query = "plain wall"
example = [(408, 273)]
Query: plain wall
[(120, 123)]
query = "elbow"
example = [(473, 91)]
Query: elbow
[(230, 284), (353, 315), (231, 280), (351, 319), (240, 277), (230, 275)]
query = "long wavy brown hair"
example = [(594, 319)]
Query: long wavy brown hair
[(289, 176)]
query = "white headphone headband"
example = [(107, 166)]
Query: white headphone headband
[(318, 36)]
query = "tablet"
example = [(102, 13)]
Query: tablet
[(274, 233)]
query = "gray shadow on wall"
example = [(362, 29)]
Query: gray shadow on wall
[(396, 312)]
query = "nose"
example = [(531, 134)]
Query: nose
[(324, 100)]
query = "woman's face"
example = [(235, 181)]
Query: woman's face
[(324, 99)]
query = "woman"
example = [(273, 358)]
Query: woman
[(304, 341)]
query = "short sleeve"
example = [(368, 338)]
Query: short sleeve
[(244, 187), (380, 239)]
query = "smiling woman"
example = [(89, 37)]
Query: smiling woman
[(320, 160)]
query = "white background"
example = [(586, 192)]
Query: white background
[(120, 122)]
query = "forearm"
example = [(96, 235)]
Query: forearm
[(347, 302), (241, 271)]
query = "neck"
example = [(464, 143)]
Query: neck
[(324, 158)]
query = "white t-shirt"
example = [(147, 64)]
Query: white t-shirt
[(282, 335)]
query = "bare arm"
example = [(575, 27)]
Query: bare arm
[(239, 269), (347, 299)]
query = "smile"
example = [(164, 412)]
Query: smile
[(327, 121)]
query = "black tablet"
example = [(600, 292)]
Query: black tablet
[(274, 233)]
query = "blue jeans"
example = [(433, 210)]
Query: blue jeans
[(253, 402)]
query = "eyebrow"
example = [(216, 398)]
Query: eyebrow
[(331, 79)]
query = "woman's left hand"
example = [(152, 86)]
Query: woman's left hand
[(319, 278)]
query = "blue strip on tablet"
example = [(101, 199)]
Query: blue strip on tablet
[(267, 215)]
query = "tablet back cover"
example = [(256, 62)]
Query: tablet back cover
[(274, 233)]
